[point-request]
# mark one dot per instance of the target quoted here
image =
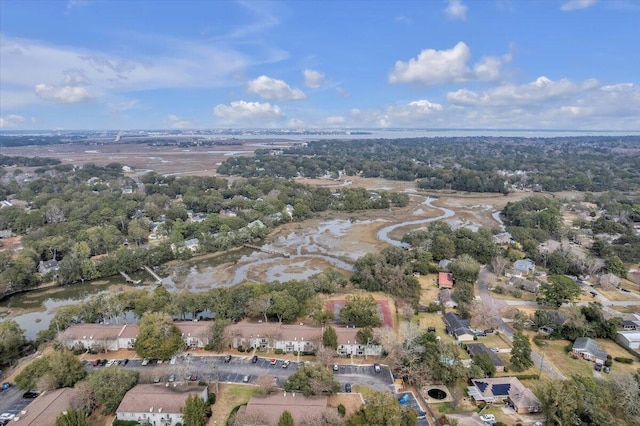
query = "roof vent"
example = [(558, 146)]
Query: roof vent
[(151, 410), (160, 410)]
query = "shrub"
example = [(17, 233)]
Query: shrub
[(517, 293), (341, 410), (202, 383), (126, 423), (623, 360), (279, 351), (539, 340), (240, 348), (498, 289), (212, 398), (608, 362)]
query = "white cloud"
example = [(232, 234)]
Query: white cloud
[(335, 120), (456, 10), (313, 79), (11, 120), (248, 114), (571, 5), (64, 94), (271, 88), (536, 92), (296, 123), (176, 122), (119, 107), (447, 66)]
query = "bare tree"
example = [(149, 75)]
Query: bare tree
[(84, 397), (55, 214), (267, 384), (244, 419), (499, 264), (258, 306), (324, 355), (407, 311), (627, 389)]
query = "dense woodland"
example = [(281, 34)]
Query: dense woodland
[(96, 221), (489, 164)]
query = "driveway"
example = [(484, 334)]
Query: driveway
[(493, 306)]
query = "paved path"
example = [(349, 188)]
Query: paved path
[(493, 307)]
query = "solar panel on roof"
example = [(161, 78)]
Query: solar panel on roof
[(482, 385), (501, 389)]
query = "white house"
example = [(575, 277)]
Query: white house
[(272, 335), (629, 339), (157, 404), (349, 344)]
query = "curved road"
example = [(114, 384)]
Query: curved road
[(493, 307)]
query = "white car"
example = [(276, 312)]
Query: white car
[(495, 350), (109, 363), (173, 361), (488, 418), (145, 361)]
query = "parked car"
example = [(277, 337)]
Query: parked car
[(172, 378), (173, 361), (103, 362), (335, 367), (125, 361), (193, 377), (597, 367), (30, 394), (227, 358), (273, 361), (376, 368), (254, 359), (156, 379), (96, 362), (496, 350), (286, 363), (479, 333), (607, 370), (145, 361), (5, 385), (245, 379), (110, 362), (489, 331), (488, 418), (431, 329), (347, 387)]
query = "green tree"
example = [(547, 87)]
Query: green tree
[(521, 352), (194, 412), (361, 311), (312, 379), (12, 341), (72, 417), (330, 337), (365, 335), (217, 338), (284, 306), (442, 248), (558, 290), (383, 409), (158, 337), (109, 385), (465, 268), (56, 370), (614, 265), (483, 361), (286, 419)]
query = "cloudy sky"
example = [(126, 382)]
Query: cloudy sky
[(491, 64)]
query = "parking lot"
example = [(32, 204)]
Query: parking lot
[(413, 403), (212, 368), (12, 402)]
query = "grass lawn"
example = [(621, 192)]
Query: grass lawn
[(526, 296), (615, 350), (228, 397), (493, 340), (429, 288), (351, 401), (616, 295), (554, 352)]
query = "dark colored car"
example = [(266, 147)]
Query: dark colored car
[(30, 395), (431, 329), (103, 362), (125, 361), (598, 367), (489, 331), (227, 358), (254, 359), (347, 387)]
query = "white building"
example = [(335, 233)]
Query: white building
[(629, 339)]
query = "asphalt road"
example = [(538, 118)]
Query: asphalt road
[(493, 306), (11, 401)]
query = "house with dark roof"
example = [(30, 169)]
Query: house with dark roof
[(269, 408), (475, 349), (458, 327), (445, 280), (630, 325), (497, 390), (157, 404), (48, 266), (587, 348)]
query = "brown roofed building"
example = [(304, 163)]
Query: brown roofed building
[(445, 280), (271, 407), (157, 404), (498, 389), (101, 337), (44, 410), (271, 335)]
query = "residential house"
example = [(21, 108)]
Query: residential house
[(445, 280), (524, 284), (475, 349), (44, 410), (6, 233), (272, 335), (446, 299), (458, 327), (349, 344), (587, 348), (192, 244), (503, 238), (630, 325), (48, 266), (500, 389), (112, 337), (157, 404), (629, 339), (270, 407), (523, 267), (469, 420)]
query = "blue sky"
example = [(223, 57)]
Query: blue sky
[(495, 64)]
